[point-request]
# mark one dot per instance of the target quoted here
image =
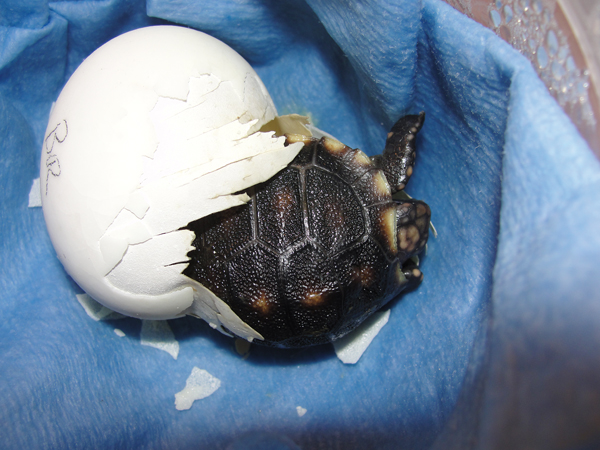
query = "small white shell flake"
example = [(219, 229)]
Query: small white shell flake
[(351, 347), (200, 384), (158, 334)]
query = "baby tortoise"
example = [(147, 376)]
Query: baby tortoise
[(321, 245)]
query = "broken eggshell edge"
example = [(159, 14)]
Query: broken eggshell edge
[(155, 129)]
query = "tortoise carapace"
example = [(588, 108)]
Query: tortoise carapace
[(321, 245)]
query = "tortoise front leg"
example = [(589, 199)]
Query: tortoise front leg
[(398, 157)]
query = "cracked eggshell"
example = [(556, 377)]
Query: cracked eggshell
[(155, 129)]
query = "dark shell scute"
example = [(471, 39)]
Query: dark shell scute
[(335, 213), (340, 163), (209, 269), (254, 288), (279, 211), (363, 269), (235, 223), (313, 291), (305, 156)]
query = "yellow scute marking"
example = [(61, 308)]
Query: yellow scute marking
[(381, 184), (388, 227), (293, 138), (333, 145), (361, 159), (313, 298), (261, 303)]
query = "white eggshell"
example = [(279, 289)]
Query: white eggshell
[(157, 128), (351, 347)]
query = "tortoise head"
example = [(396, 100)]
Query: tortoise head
[(412, 219)]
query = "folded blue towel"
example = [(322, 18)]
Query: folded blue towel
[(499, 345)]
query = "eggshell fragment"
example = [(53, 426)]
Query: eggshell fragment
[(35, 196), (158, 334), (351, 347), (200, 384), (157, 128), (95, 310)]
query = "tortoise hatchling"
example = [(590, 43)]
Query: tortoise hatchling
[(321, 245)]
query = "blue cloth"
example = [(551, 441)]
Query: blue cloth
[(498, 348)]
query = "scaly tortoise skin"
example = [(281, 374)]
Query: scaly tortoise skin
[(321, 245)]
